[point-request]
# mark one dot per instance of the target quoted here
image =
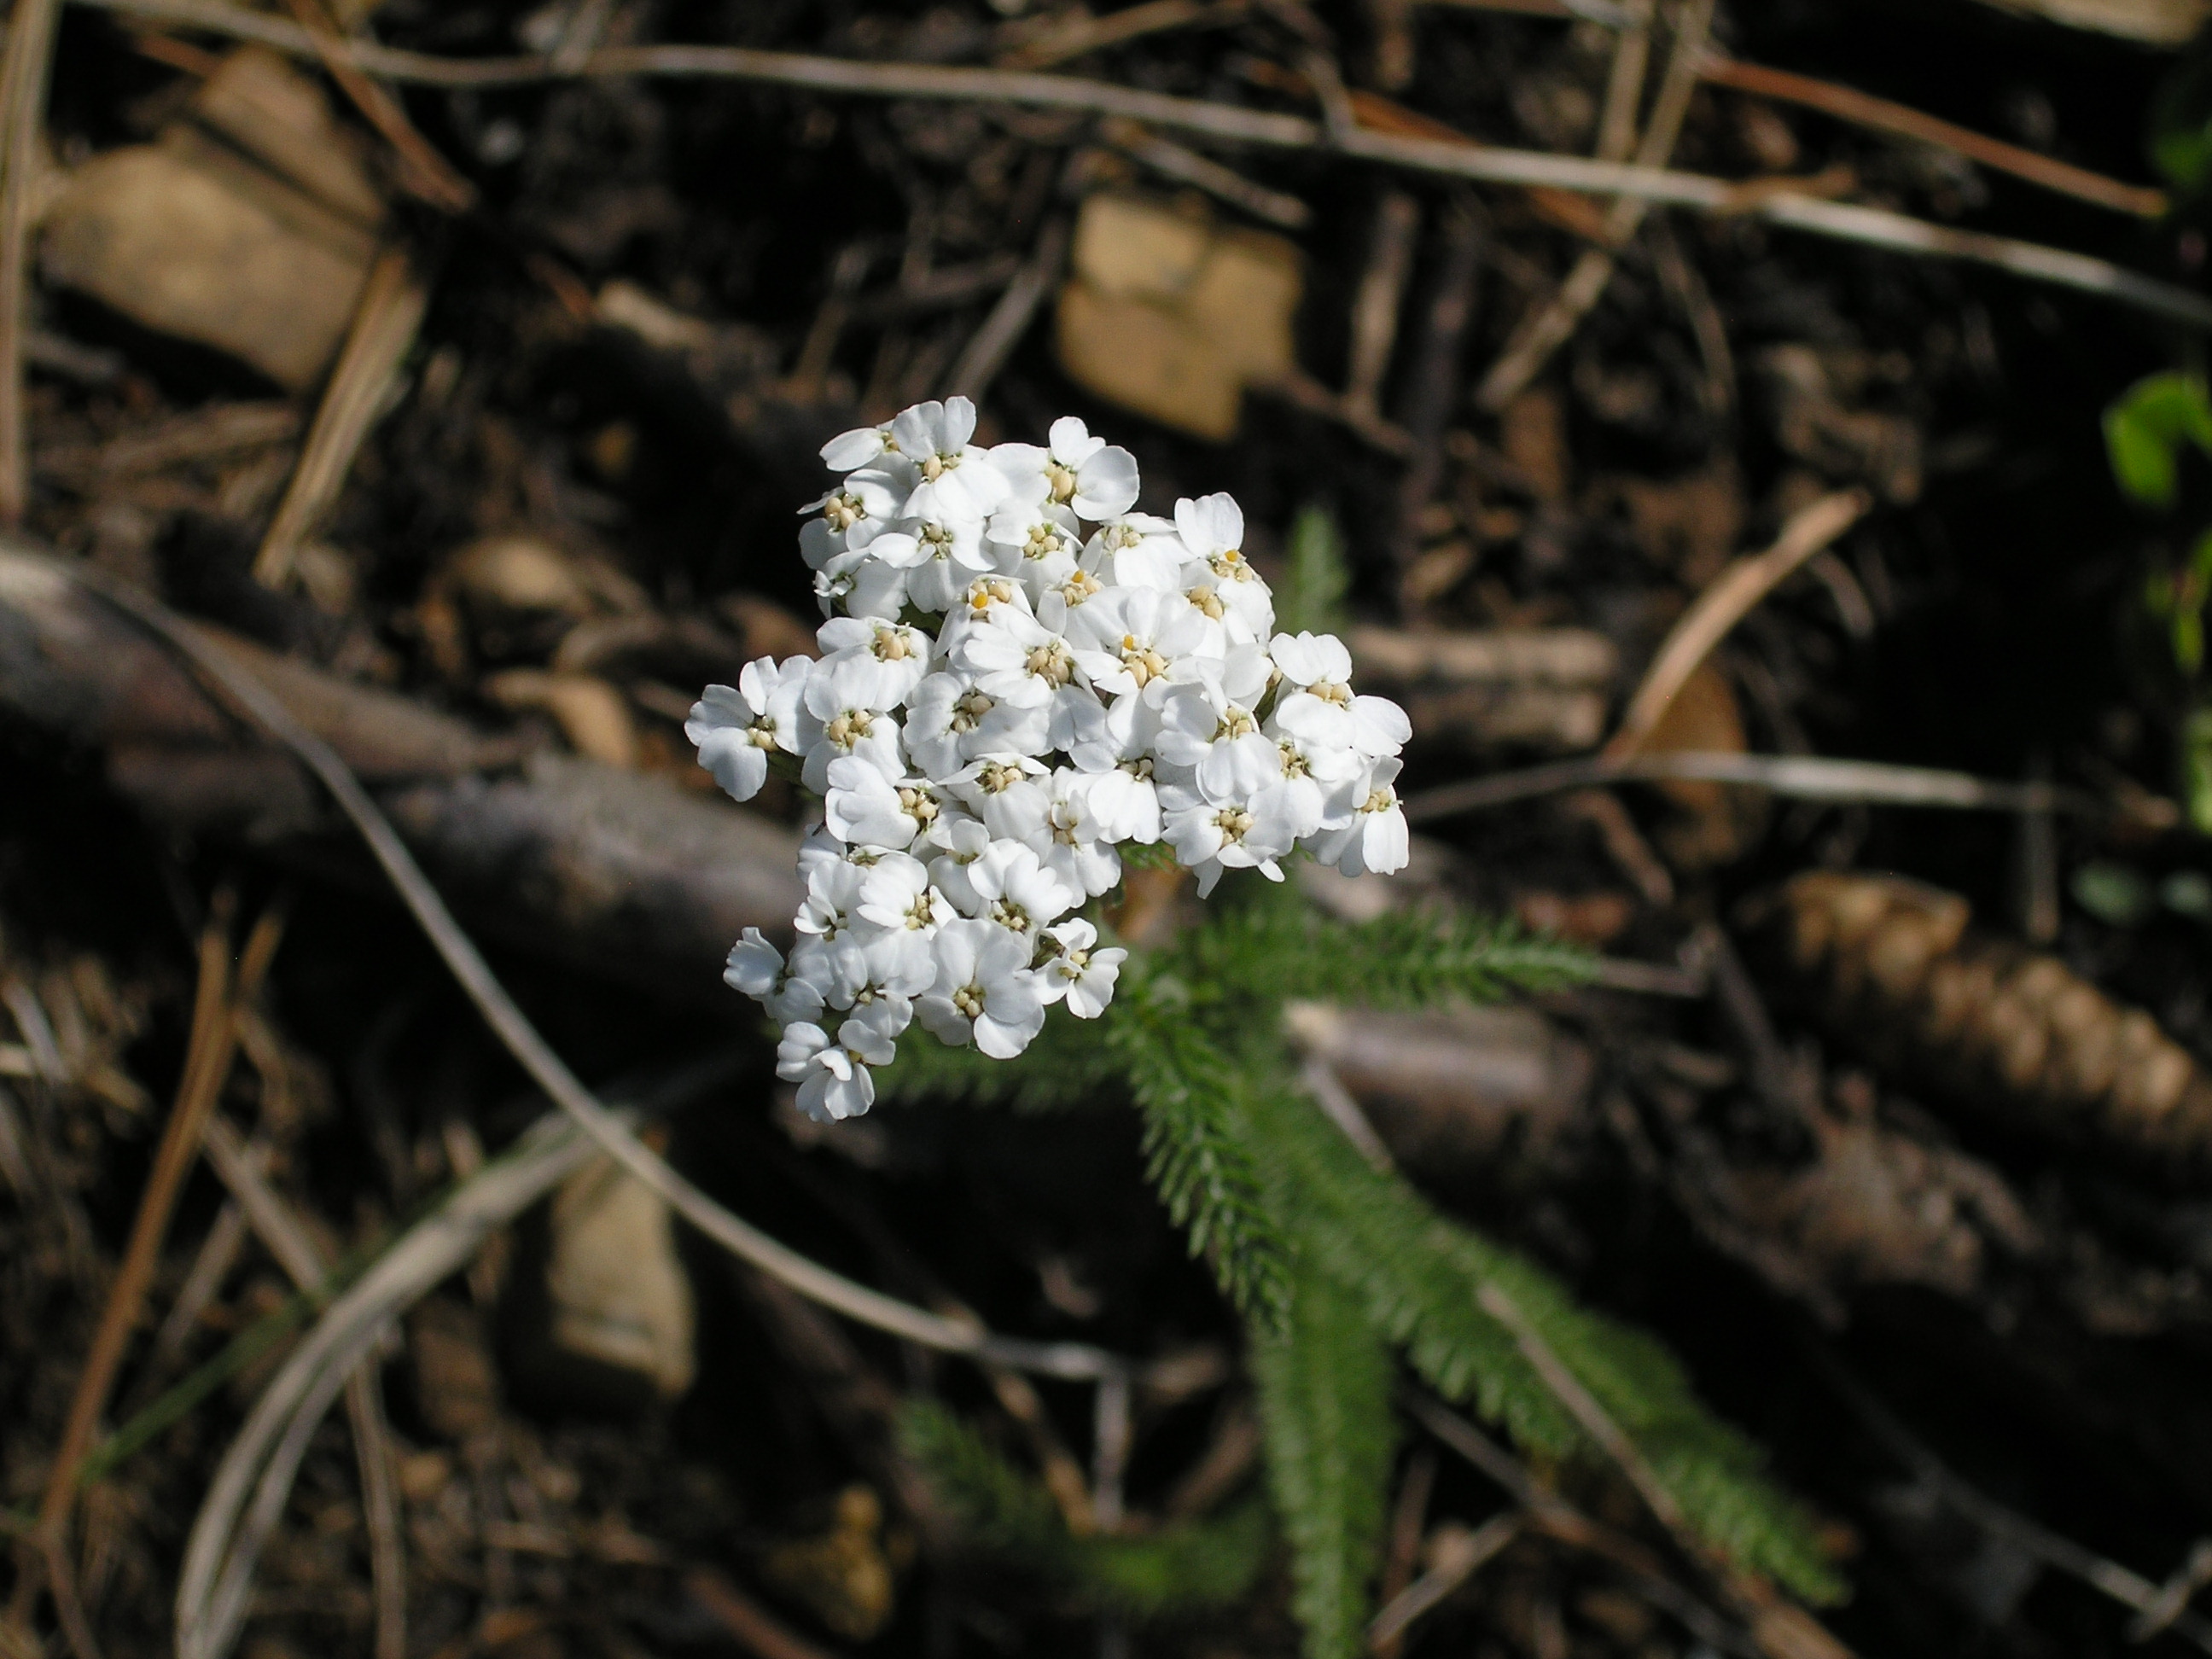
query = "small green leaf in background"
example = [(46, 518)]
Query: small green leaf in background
[(2187, 893), (2113, 893), (2145, 429), (1310, 597), (2197, 769), (2180, 136)]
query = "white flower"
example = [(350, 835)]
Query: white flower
[(1073, 847), (1017, 660), (757, 969), (981, 763), (880, 662), (1237, 818), (1317, 700), (897, 894), (1076, 972), (1213, 528), (1138, 640), (833, 1077), (733, 729), (853, 515), (1115, 753), (865, 446), (950, 721), (1007, 792), (1197, 719), (1018, 892), (837, 720), (966, 841), (1074, 471), (865, 806), (955, 479), (1376, 842), (939, 556), (832, 894), (984, 992), (1138, 550)]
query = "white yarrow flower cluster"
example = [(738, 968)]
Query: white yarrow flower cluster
[(1019, 673)]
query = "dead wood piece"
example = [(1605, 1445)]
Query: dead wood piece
[(249, 227), (1875, 1207), (1550, 688), (1451, 1092), (1894, 967), (1174, 318), (630, 874)]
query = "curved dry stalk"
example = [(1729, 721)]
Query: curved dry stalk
[(1726, 602), (1073, 1361), (247, 1496)]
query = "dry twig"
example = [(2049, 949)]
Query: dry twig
[(1863, 109), (1802, 777), (423, 172), (1072, 1361), (22, 108), (1459, 158), (1725, 601), (384, 327), (1553, 322)]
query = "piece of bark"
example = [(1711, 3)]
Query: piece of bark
[(630, 876), (1547, 688), (2155, 22), (1893, 966), (1451, 1090)]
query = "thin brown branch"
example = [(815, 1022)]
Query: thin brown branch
[(1072, 1361), (384, 328), (1041, 43), (423, 173), (1553, 322), (757, 1630), (1456, 158), (22, 112), (1556, 1518), (1880, 115), (208, 1058), (1726, 602), (1800, 777)]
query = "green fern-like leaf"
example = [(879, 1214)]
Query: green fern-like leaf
[(1418, 1276), (1324, 1394), (1197, 1149), (1186, 1567), (1274, 945)]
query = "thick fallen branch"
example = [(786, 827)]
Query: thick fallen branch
[(628, 873), (1451, 158)]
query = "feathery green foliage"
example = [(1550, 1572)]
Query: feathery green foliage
[(1196, 1147), (1419, 1274), (1274, 945), (1337, 1265), (1325, 1380), (1192, 1565)]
